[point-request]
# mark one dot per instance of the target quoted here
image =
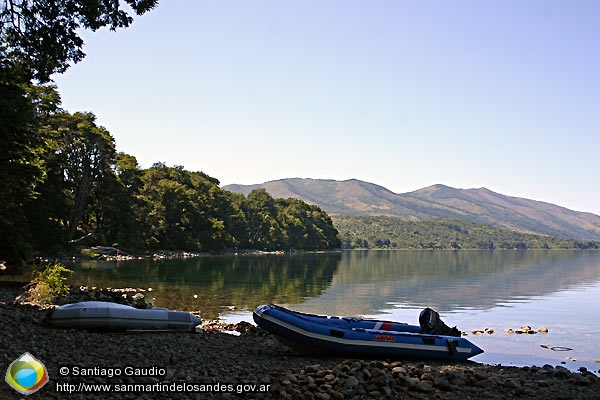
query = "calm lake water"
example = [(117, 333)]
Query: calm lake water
[(470, 289)]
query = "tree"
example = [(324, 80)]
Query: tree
[(23, 109), (264, 230), (42, 36), (80, 186), (37, 39)]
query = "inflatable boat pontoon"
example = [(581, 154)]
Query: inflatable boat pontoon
[(360, 337), (106, 315)]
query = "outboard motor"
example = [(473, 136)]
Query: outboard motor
[(432, 324)]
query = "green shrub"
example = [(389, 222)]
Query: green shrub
[(49, 284)]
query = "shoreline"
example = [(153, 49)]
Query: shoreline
[(218, 364), (106, 253)]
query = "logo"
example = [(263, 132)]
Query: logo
[(384, 338), (26, 374)]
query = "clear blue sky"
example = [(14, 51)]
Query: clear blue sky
[(404, 94)]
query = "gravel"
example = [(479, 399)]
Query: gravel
[(249, 364)]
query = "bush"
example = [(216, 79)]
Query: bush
[(49, 284)]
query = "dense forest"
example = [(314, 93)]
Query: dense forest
[(380, 232), (64, 184), (81, 190)]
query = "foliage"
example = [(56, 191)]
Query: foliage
[(43, 36), (23, 108), (90, 193), (49, 284), (38, 39), (395, 233)]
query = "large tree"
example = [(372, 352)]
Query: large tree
[(37, 39), (42, 35)]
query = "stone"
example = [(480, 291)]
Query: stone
[(351, 382), (514, 384), (322, 396), (425, 387), (442, 384), (399, 371), (410, 381), (479, 374), (485, 383), (337, 396)]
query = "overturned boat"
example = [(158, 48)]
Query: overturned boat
[(350, 336), (113, 316)]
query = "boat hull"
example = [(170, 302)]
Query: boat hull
[(112, 316), (359, 338)]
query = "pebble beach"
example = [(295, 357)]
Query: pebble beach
[(223, 361)]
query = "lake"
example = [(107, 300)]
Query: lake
[(470, 289)]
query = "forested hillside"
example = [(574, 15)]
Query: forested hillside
[(71, 187), (482, 206), (396, 233)]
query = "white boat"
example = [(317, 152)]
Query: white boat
[(113, 316)]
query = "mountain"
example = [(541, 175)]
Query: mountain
[(355, 197)]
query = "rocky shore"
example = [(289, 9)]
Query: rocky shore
[(249, 364)]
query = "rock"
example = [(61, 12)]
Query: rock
[(479, 374), (542, 329), (338, 396), (411, 382), (425, 387), (322, 396), (477, 332), (514, 384), (443, 384), (509, 331), (485, 383), (489, 331), (399, 371), (351, 382), (292, 378)]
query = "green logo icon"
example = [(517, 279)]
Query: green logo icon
[(26, 374)]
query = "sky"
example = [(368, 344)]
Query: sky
[(404, 94)]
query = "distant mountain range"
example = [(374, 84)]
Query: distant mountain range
[(354, 197)]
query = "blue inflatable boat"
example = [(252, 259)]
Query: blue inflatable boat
[(351, 336)]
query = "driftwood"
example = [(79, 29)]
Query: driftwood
[(107, 250), (81, 238)]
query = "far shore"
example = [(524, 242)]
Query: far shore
[(107, 253)]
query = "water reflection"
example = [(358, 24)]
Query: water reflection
[(369, 281), (215, 284), (353, 282), (471, 289)]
